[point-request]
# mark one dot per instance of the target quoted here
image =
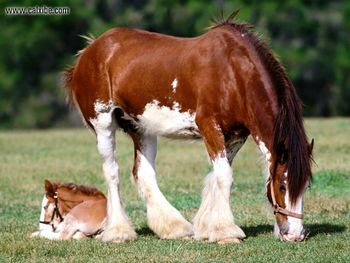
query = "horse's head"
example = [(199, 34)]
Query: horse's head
[(51, 209), (286, 197)]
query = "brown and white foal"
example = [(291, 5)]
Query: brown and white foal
[(222, 87), (71, 211)]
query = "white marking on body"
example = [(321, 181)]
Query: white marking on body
[(101, 107), (174, 85), (214, 220), (169, 122)]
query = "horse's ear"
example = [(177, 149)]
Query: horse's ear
[(311, 146), (49, 188)]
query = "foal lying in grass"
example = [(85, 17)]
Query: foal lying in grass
[(71, 211)]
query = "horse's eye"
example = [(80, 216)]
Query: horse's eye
[(282, 188), (45, 207)]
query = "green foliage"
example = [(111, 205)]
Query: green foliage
[(310, 37), (331, 183)]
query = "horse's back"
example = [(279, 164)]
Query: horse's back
[(138, 70)]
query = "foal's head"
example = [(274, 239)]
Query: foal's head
[(59, 199), (51, 210)]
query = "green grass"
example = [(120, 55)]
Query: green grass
[(28, 157)]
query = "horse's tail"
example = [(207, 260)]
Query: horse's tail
[(67, 77), (68, 72), (290, 142)]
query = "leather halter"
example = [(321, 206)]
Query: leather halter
[(276, 207), (56, 211)]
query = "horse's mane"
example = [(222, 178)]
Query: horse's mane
[(290, 144), (83, 189)]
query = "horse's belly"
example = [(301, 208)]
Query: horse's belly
[(169, 122)]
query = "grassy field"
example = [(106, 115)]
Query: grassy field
[(28, 157)]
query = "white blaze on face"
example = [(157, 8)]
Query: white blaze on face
[(44, 203), (165, 121), (174, 85), (296, 228)]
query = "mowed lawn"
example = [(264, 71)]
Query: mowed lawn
[(29, 157)]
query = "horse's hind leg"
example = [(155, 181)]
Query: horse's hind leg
[(118, 227), (162, 217), (214, 220)]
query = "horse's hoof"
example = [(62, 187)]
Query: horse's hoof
[(118, 235), (229, 241), (187, 238), (35, 234)]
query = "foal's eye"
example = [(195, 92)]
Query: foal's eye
[(45, 207)]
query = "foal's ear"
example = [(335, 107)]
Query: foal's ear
[(49, 188)]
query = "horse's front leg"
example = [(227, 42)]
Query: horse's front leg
[(162, 217), (48, 233), (214, 220), (118, 228)]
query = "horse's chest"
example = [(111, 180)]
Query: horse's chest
[(166, 121)]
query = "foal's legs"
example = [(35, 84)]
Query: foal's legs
[(214, 220), (162, 217), (118, 227)]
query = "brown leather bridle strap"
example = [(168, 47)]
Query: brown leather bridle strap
[(276, 208), (56, 211)]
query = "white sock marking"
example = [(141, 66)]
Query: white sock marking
[(105, 127), (162, 217)]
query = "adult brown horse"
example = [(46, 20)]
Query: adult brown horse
[(221, 86)]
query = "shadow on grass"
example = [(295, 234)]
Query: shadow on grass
[(312, 229), (253, 231), (145, 231), (315, 229)]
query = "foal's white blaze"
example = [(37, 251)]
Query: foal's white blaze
[(169, 122), (42, 215), (174, 85)]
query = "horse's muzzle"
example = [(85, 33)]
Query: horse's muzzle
[(293, 236)]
